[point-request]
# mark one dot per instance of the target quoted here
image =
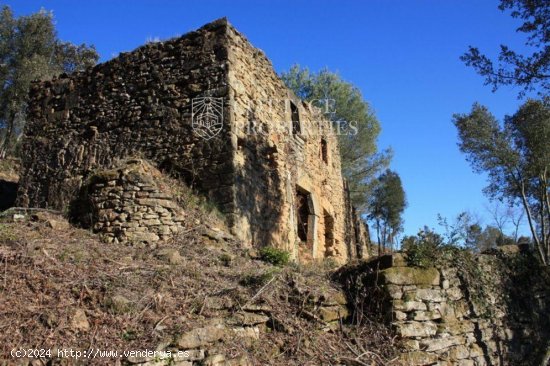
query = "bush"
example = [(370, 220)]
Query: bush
[(277, 257), (257, 279), (422, 250), (225, 259)]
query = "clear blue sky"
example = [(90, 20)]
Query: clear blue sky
[(403, 55)]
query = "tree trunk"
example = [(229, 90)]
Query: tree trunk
[(8, 136), (378, 237), (531, 226)]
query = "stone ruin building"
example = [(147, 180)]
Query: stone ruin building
[(209, 109)]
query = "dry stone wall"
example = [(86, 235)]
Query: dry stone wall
[(494, 311), (127, 204), (432, 315), (137, 104)]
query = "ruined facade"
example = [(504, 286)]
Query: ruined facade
[(209, 109)]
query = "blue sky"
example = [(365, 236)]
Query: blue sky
[(403, 55)]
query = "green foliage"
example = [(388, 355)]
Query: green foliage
[(257, 279), (129, 335), (7, 233), (386, 205), (275, 256), (526, 71), (516, 158), (423, 249), (225, 259), (428, 249), (472, 275), (30, 50), (466, 232), (343, 104), (489, 237)]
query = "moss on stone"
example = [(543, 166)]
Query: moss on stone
[(410, 276)]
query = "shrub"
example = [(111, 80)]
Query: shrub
[(423, 249), (277, 257), (257, 279), (225, 259)]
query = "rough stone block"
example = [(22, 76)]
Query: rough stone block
[(200, 337), (437, 344), (246, 318), (458, 352), (417, 358), (399, 315), (394, 291), (431, 295), (416, 329), (425, 315), (454, 293), (142, 236), (408, 306), (410, 276), (456, 327)]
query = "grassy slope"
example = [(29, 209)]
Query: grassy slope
[(141, 297)]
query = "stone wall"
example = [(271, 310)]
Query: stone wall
[(129, 204), (496, 311), (137, 104), (357, 231), (273, 162), (140, 104)]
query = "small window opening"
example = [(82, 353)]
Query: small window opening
[(324, 150), (295, 116), (303, 212), (329, 234)]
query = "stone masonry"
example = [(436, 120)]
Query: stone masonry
[(128, 205), (209, 109), (499, 318)]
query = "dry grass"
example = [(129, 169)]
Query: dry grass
[(9, 169), (47, 274)]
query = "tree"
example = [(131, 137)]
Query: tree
[(344, 105), (423, 247), (466, 232), (463, 231), (387, 204), (516, 216), (526, 71), (503, 215), (30, 50), (516, 157), (482, 239)]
